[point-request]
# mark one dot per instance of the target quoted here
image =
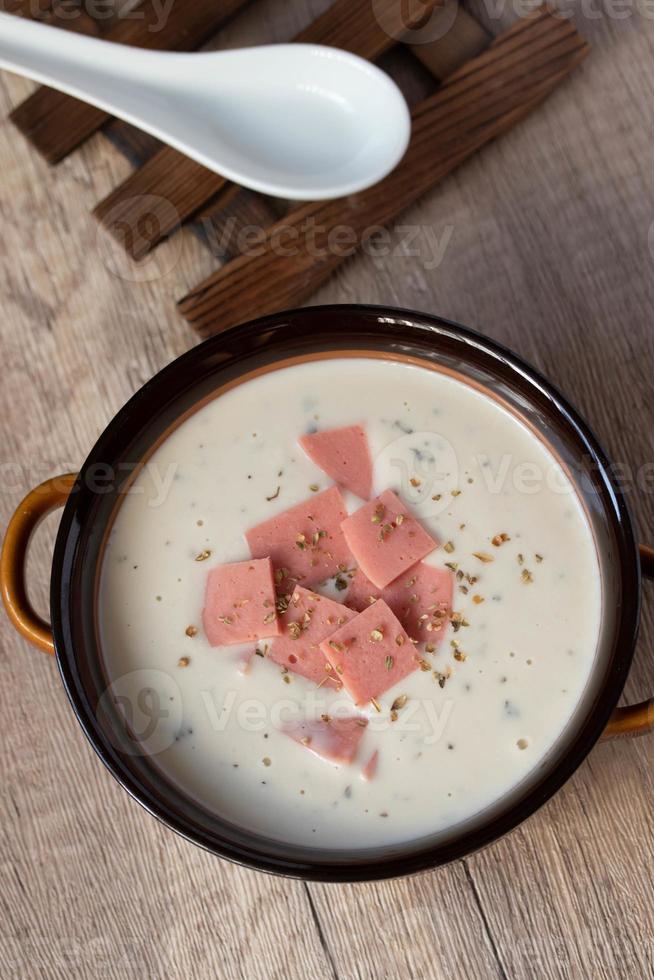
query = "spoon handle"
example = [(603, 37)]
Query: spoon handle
[(96, 71)]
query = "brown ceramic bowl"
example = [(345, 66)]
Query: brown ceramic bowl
[(92, 498)]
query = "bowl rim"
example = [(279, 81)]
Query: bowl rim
[(433, 854)]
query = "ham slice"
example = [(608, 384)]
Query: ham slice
[(344, 455), (305, 543), (239, 603), (371, 653), (385, 539), (370, 769), (335, 739), (421, 599), (309, 619)]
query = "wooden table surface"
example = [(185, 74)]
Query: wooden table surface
[(550, 249)]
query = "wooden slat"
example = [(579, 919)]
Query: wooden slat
[(479, 102), (71, 16), (185, 186), (138, 147), (56, 123), (26, 8), (463, 38), (59, 16), (229, 222), (367, 29), (182, 186)]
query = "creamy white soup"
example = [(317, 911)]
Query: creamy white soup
[(491, 700)]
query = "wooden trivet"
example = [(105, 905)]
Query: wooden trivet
[(484, 88)]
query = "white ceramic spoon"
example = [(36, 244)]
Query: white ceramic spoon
[(294, 120)]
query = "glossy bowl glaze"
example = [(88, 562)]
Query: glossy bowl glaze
[(178, 391)]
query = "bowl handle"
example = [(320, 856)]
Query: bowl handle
[(635, 719), (28, 515)]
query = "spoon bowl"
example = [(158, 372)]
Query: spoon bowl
[(300, 121)]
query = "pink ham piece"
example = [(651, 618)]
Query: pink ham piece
[(371, 653), (385, 539), (344, 455), (370, 769), (239, 603), (309, 619), (334, 739), (305, 543), (421, 599)]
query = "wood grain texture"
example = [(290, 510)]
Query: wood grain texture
[(181, 185), (133, 143), (480, 101), (56, 124), (226, 222), (458, 38), (184, 186), (27, 8), (545, 246)]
